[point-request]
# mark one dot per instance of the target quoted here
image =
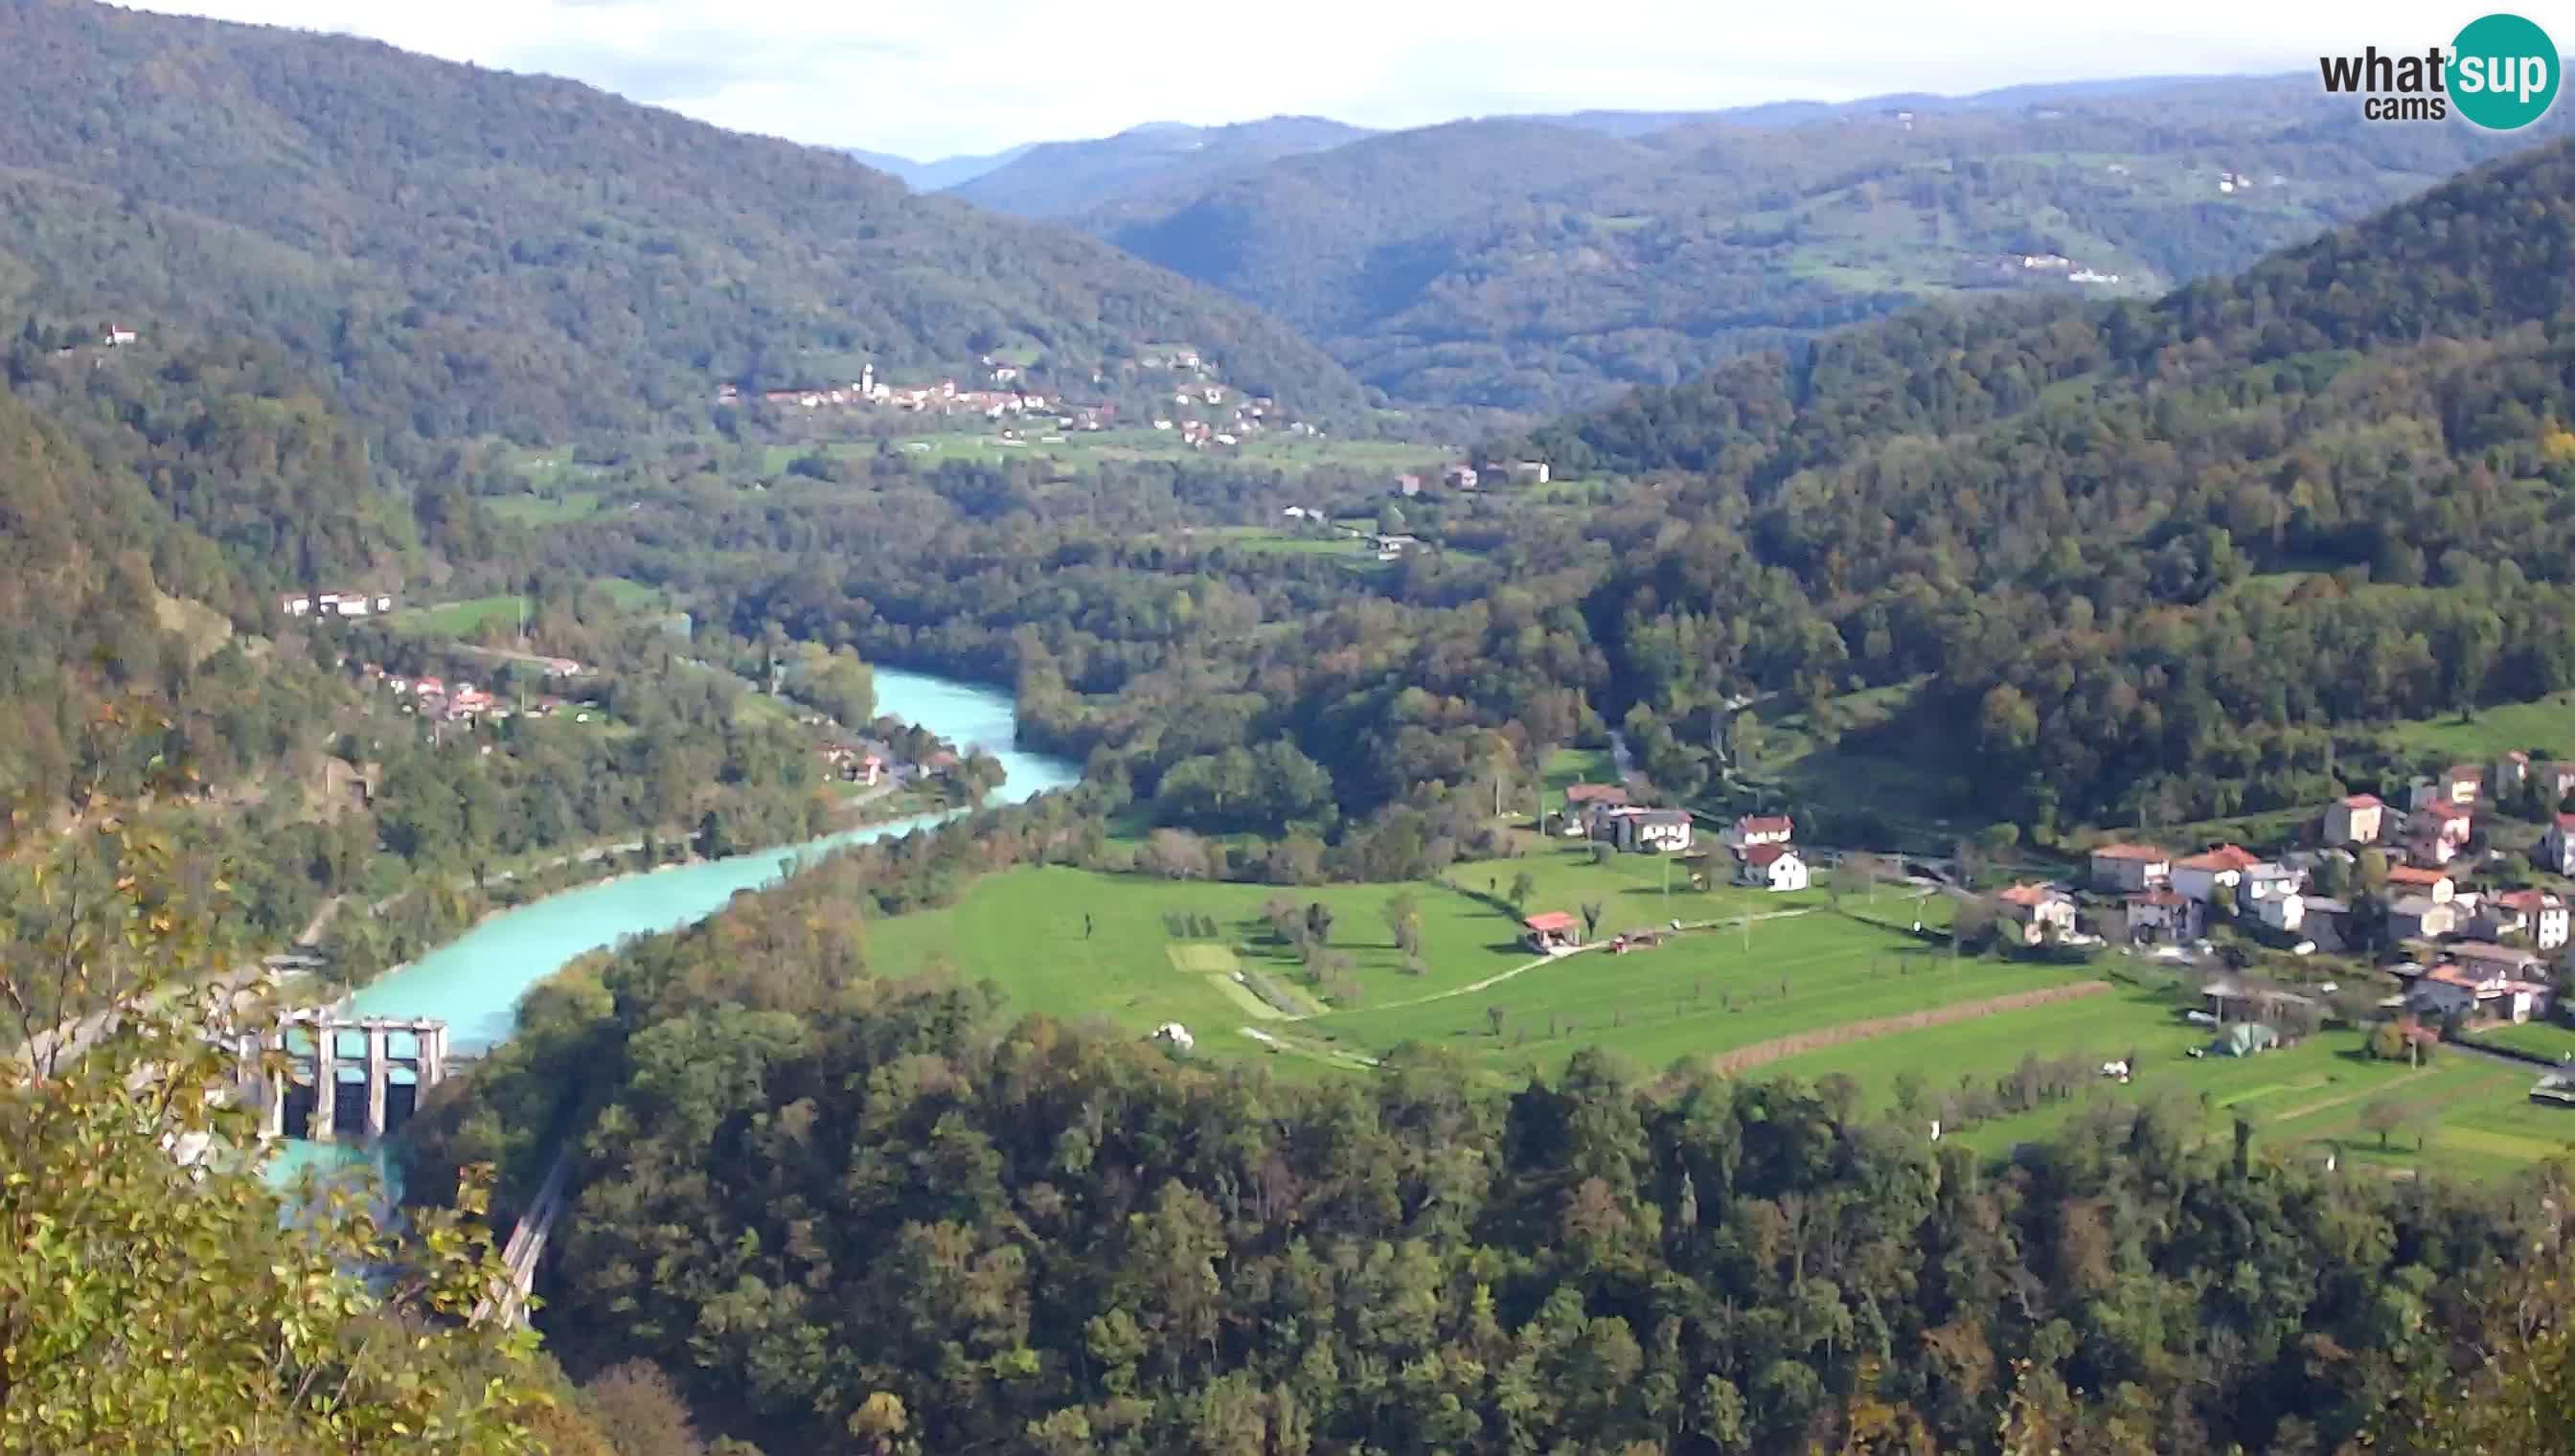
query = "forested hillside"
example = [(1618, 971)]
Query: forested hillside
[(1539, 265), (464, 252), (148, 505), (2157, 558)]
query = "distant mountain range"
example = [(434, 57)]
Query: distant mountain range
[(944, 172), (1055, 178), (1540, 263)]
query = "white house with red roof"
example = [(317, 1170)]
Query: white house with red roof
[(2200, 875), (2358, 818), (2486, 987), (2543, 914), (2038, 911), (2433, 885), (1751, 829), (1771, 866)]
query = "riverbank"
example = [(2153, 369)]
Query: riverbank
[(474, 980), (910, 802)]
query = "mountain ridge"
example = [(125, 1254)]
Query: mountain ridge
[(465, 251), (1425, 264)]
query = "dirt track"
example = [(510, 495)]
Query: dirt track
[(1744, 1058)]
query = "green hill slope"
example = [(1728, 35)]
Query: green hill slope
[(2157, 560), (465, 251), (1538, 266)]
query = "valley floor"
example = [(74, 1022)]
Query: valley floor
[(1860, 993)]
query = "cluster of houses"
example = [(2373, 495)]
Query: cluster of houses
[(2053, 265), (942, 398), (1244, 414), (463, 702), (336, 604), (1763, 845), (854, 762), (2474, 954), (1464, 477)]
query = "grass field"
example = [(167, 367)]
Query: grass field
[(461, 619), (1078, 945), (1795, 964), (2546, 728), (2474, 1116), (2533, 1039), (1692, 996), (453, 619)]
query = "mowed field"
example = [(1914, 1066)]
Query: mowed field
[(2470, 1116), (1757, 975), (1760, 966)]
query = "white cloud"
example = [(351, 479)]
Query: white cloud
[(929, 81)]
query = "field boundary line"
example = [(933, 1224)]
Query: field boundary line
[(1779, 1048)]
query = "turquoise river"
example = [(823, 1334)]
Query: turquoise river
[(474, 981)]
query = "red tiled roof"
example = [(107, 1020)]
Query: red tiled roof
[(2361, 800), (2444, 809), (2158, 897), (2467, 772), (1594, 793), (2480, 951), (1767, 824), (2223, 857), (2146, 853), (2529, 902), (1761, 855), (1550, 922), (2415, 874), (2031, 895)]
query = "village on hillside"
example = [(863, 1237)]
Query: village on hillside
[(1195, 405)]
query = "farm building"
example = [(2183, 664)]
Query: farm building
[(1553, 932)]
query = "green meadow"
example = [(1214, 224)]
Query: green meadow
[(1752, 968)]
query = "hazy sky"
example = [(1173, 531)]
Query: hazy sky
[(928, 80)]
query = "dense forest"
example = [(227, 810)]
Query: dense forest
[(1541, 264), (2153, 556), (462, 252), (859, 1215)]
